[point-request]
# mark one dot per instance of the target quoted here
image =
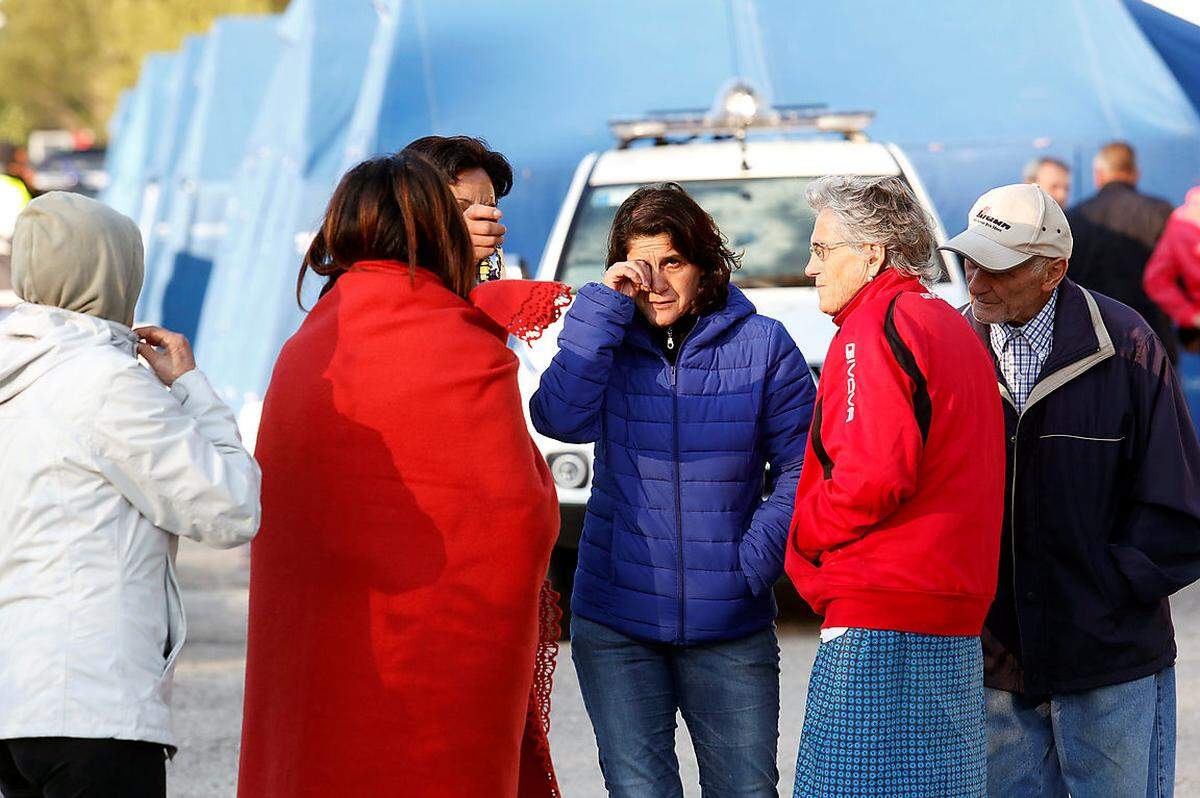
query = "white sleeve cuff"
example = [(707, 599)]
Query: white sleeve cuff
[(188, 383)]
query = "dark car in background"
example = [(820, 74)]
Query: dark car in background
[(81, 171)]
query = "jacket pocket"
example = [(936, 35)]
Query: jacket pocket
[(176, 619)]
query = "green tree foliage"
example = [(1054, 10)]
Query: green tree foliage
[(63, 63)]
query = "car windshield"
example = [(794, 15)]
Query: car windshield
[(765, 218)]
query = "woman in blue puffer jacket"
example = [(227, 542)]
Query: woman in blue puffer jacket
[(687, 393)]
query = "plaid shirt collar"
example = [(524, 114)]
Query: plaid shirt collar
[(1038, 331), (1022, 351)]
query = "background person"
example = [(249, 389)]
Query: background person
[(1102, 517), (394, 592), (479, 178), (101, 470), (14, 196), (688, 394), (897, 524), (1052, 175), (1172, 277), (1114, 233), (14, 164)]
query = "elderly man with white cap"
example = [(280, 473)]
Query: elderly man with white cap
[(1102, 517), (103, 465)]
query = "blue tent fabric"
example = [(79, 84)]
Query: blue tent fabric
[(177, 112), (1177, 42), (971, 98), (540, 80), (230, 79), (295, 157), (1189, 377), (571, 67), (582, 65), (159, 185), (120, 116), (130, 149)]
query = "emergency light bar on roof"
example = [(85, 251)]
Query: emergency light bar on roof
[(738, 109)]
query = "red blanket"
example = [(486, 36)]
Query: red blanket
[(407, 525)]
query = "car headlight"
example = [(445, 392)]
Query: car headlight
[(569, 470)]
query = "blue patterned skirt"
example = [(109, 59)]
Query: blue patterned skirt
[(894, 714)]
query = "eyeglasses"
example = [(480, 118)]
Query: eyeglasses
[(821, 251)]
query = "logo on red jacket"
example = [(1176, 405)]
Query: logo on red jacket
[(850, 384)]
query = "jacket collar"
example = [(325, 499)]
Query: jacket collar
[(708, 327), (1080, 341), (31, 320), (35, 338), (888, 281), (1114, 187)]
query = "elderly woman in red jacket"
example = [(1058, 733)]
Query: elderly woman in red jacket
[(896, 528), (408, 517)]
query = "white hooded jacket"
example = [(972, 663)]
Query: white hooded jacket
[(101, 468)]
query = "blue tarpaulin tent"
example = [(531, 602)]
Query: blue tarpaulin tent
[(120, 119), (1177, 42), (131, 146), (415, 67), (231, 78), (972, 95), (539, 81), (969, 97), (166, 150), (294, 158)]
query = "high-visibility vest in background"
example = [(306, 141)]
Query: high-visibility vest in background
[(13, 198)]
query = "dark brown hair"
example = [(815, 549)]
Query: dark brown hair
[(457, 154), (396, 207), (667, 208)]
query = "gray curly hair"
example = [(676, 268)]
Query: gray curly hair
[(881, 210)]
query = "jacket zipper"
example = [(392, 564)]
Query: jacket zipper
[(678, 506), (1012, 535), (678, 482), (1016, 437), (1012, 530)]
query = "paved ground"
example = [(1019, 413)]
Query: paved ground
[(208, 691)]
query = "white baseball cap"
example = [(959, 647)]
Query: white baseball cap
[(1009, 225)]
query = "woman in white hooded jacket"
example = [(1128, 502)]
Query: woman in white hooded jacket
[(102, 468)]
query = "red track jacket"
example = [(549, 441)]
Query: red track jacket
[(1172, 276), (900, 502)]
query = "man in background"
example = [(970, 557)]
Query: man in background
[(1051, 174), (1115, 231), (14, 163)]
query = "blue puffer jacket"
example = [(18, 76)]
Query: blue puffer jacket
[(678, 544)]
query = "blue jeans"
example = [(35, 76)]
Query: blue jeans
[(728, 693), (1111, 742)]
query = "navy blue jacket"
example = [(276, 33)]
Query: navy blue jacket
[(1102, 519), (678, 544)]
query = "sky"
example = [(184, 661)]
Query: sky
[(1185, 9)]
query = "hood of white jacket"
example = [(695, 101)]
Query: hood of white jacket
[(36, 338)]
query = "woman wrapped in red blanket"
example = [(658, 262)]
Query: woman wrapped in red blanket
[(408, 517)]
